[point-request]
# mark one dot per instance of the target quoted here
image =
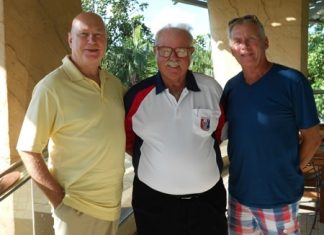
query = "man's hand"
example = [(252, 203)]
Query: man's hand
[(37, 169)]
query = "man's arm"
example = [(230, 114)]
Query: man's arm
[(221, 130), (310, 141), (37, 169)]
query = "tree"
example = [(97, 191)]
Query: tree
[(133, 59), (201, 61), (316, 65), (129, 40)]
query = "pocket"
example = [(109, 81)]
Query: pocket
[(205, 121)]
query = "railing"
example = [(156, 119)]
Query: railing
[(24, 177), (24, 209), (319, 103), (318, 92)]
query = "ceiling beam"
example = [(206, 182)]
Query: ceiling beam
[(192, 2)]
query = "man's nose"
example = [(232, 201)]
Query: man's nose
[(245, 43), (173, 54), (91, 38)]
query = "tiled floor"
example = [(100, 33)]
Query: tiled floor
[(306, 218), (41, 205)]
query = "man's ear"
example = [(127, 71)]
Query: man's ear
[(266, 43), (70, 39)]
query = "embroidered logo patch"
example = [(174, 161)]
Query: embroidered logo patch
[(205, 123)]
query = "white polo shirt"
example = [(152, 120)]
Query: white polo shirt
[(173, 142)]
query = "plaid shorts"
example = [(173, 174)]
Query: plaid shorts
[(275, 221)]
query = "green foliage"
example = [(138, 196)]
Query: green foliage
[(316, 65), (131, 61), (130, 42), (129, 52), (201, 61)]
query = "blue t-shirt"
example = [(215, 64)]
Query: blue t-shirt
[(264, 119)]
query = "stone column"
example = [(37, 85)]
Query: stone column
[(286, 25), (33, 40), (4, 128)]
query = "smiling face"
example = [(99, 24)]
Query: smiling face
[(247, 44), (87, 40), (173, 68)]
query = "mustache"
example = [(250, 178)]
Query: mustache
[(173, 63)]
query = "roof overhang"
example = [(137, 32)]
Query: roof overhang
[(197, 3), (316, 8)]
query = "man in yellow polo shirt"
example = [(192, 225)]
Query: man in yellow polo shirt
[(77, 110)]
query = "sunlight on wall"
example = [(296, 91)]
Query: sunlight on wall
[(289, 19), (276, 24), (4, 137), (222, 61)]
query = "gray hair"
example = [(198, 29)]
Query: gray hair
[(245, 19), (182, 26)]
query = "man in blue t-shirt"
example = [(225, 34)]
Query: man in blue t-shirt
[(273, 133)]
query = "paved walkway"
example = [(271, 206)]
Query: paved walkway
[(305, 217)]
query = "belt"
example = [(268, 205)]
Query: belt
[(140, 186), (188, 196)]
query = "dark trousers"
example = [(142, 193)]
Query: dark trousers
[(157, 213)]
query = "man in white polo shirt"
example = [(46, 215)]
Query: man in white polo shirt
[(78, 110), (173, 129)]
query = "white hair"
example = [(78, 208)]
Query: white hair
[(181, 26)]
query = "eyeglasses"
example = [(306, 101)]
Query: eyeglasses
[(167, 51), (252, 18)]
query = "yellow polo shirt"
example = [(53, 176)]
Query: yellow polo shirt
[(83, 125)]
